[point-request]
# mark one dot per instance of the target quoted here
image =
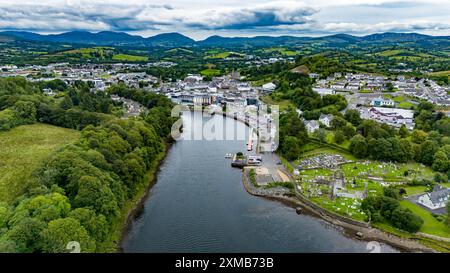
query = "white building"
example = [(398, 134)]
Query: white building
[(326, 119), (382, 102), (391, 116), (324, 91), (312, 126), (338, 86), (269, 86), (354, 86), (436, 199)]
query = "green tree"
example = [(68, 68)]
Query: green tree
[(62, 231), (349, 131), (358, 146), (47, 208), (25, 111), (96, 226), (92, 193), (26, 234), (338, 123), (339, 137), (440, 162), (66, 103), (7, 245), (403, 132), (427, 151), (418, 136), (353, 116), (291, 148), (406, 220), (391, 192)]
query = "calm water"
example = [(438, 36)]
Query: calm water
[(199, 205)]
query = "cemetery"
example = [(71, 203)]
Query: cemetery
[(339, 184)]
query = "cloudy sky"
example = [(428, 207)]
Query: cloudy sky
[(201, 18)]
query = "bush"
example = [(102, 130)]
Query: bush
[(391, 192), (7, 120), (387, 209), (405, 219)]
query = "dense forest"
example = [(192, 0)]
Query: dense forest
[(81, 192)]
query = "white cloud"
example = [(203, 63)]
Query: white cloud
[(385, 26), (227, 17)]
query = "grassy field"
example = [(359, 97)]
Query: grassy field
[(405, 105), (437, 245), (413, 190), (281, 50), (89, 53), (23, 150), (210, 72), (283, 104), (389, 53), (431, 225), (129, 58), (399, 54), (441, 73)]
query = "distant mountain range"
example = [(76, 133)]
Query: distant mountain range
[(109, 38), (104, 38)]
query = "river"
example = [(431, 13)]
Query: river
[(200, 205)]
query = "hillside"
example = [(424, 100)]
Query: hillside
[(109, 38), (23, 151), (105, 38)]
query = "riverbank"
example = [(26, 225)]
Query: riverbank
[(350, 229), (135, 206), (189, 208)]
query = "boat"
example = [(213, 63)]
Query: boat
[(228, 155), (250, 140)]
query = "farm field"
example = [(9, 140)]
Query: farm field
[(440, 73), (281, 50), (87, 53), (210, 72), (23, 150), (129, 58)]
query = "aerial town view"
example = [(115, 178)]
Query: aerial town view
[(266, 127)]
